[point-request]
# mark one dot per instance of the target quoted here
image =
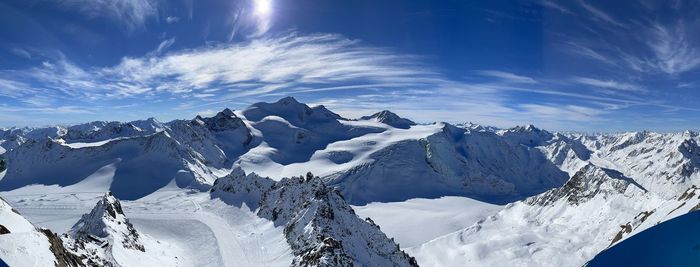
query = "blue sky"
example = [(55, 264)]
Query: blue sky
[(561, 65)]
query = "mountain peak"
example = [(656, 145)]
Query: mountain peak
[(478, 127), (288, 101), (525, 128), (227, 112), (107, 221), (389, 118), (222, 121), (291, 110), (322, 228), (528, 135), (589, 182)]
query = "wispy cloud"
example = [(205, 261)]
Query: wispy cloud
[(571, 112), (305, 65), (130, 14), (672, 50), (555, 6), (507, 76), (164, 45), (609, 84), (269, 64), (648, 47), (21, 52), (261, 66), (583, 50), (601, 15), (172, 19)]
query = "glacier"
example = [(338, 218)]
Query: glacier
[(236, 189)]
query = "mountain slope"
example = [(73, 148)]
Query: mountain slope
[(141, 164), (21, 243), (571, 195), (390, 118), (450, 161), (285, 138), (105, 237), (597, 207), (320, 227), (672, 243)]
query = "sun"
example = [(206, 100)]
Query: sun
[(263, 8)]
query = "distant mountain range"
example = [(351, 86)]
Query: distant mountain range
[(562, 197)]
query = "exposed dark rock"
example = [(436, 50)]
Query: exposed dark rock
[(4, 230), (587, 183), (320, 227), (391, 119), (64, 258)]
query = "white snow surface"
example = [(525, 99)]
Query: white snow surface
[(419, 220), (24, 245), (191, 226), (417, 182)]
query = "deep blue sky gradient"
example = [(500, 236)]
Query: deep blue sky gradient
[(562, 65)]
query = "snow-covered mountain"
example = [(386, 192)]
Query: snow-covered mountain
[(390, 118), (538, 198), (598, 207), (671, 243), (105, 237), (320, 227), (288, 138)]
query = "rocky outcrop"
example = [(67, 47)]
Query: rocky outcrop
[(3, 163), (391, 119), (64, 258), (101, 231), (107, 221), (320, 227), (589, 182)]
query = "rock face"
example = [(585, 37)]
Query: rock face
[(225, 130), (64, 257), (587, 183), (225, 120), (107, 220), (102, 231), (3, 162), (391, 119), (319, 226)]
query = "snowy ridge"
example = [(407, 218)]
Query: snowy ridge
[(665, 164), (107, 220), (50, 162), (287, 138), (586, 184), (597, 208), (450, 161), (390, 118), (671, 243), (570, 195), (320, 227), (105, 237)]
